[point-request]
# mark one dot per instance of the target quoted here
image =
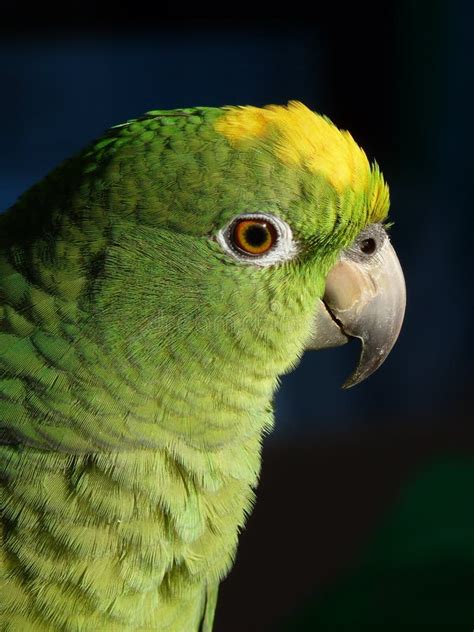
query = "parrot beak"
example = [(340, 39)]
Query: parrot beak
[(365, 298)]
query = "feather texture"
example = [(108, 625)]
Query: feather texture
[(138, 363)]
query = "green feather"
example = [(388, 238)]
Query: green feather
[(137, 367)]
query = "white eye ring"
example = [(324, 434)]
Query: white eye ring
[(283, 249)]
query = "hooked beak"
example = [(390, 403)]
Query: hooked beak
[(365, 298)]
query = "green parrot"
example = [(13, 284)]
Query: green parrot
[(153, 289)]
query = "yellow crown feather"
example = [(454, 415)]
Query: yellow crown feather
[(300, 137)]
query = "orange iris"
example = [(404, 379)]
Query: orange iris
[(254, 236)]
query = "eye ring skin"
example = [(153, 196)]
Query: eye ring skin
[(283, 249), (374, 233)]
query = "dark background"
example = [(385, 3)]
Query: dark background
[(340, 464)]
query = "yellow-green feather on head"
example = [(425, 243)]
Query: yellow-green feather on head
[(300, 138)]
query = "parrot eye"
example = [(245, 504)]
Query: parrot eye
[(253, 236), (257, 238)]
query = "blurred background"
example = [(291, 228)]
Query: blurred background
[(365, 512)]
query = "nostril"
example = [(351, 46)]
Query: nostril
[(368, 246)]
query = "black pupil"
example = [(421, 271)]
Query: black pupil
[(256, 235), (368, 246)]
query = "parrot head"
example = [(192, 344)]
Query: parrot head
[(205, 249)]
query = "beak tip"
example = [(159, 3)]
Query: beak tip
[(347, 385), (351, 381)]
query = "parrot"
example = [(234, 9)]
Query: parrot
[(154, 288)]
